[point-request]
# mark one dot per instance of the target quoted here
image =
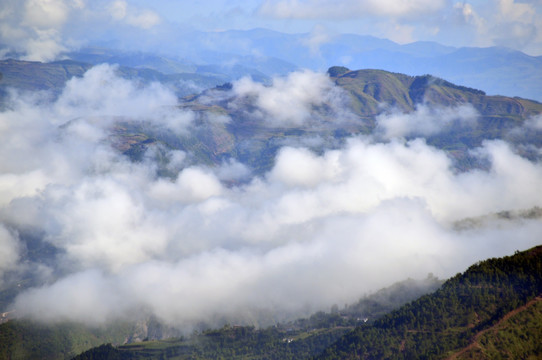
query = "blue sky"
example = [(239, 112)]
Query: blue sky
[(44, 28)]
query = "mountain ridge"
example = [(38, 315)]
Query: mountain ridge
[(371, 93), (496, 70)]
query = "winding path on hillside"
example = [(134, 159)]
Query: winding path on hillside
[(476, 340)]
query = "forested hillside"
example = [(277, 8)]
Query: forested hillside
[(491, 311)]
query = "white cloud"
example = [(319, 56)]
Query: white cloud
[(534, 123), (317, 37), (300, 167), (35, 27), (101, 92), (425, 120), (45, 14), (145, 19), (325, 9), (141, 18), (470, 16), (193, 248), (281, 242), (192, 185), (33, 139), (504, 23), (117, 9), (42, 29), (290, 100)]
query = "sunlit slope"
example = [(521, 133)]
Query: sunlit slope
[(370, 89)]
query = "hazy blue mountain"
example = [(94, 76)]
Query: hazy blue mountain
[(262, 53), (165, 65), (496, 70), (33, 75)]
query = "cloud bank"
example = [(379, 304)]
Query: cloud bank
[(348, 9), (425, 121), (40, 30), (317, 229), (291, 100)]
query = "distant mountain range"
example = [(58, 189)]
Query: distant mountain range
[(32, 76), (495, 70), (262, 53)]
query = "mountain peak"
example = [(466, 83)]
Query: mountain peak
[(336, 71)]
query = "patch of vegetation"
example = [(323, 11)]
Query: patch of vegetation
[(336, 71), (21, 339)]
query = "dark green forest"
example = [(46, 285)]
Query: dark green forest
[(437, 325)]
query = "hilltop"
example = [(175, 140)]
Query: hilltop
[(370, 88)]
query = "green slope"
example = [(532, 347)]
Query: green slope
[(30, 340), (488, 305), (513, 337), (369, 88), (33, 75)]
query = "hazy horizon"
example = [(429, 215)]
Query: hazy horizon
[(42, 29)]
